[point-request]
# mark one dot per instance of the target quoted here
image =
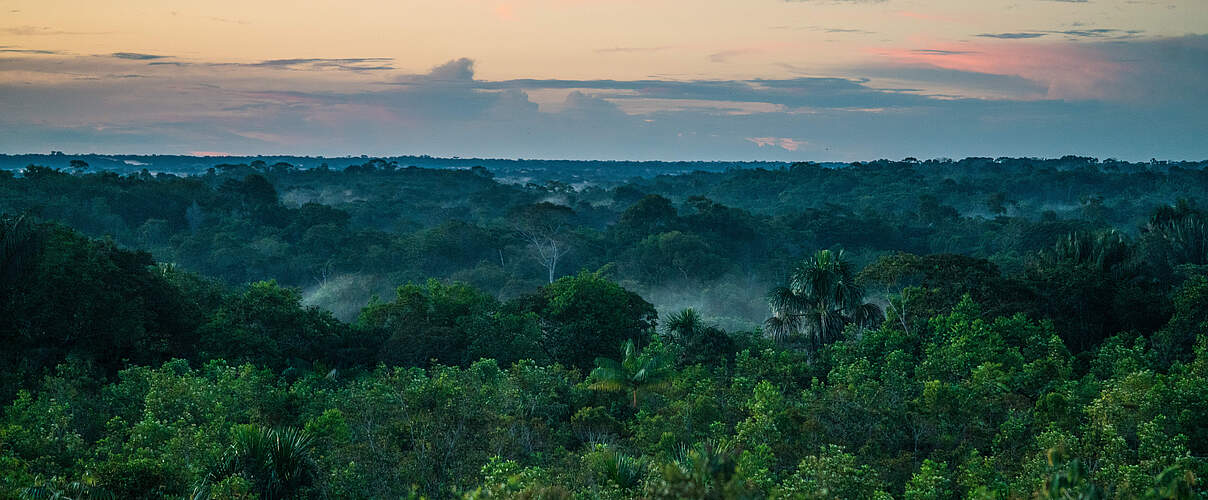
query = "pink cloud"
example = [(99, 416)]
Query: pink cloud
[(1071, 71)]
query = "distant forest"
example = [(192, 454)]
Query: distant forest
[(287, 327)]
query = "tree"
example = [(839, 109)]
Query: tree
[(79, 165), (278, 462), (1105, 252), (706, 471), (697, 341), (997, 203), (543, 226), (84, 489), (932, 212), (1069, 479), (683, 324), (1180, 232), (675, 255), (650, 215), (819, 300), (1176, 341), (1093, 286), (832, 473), (636, 371), (586, 315), (453, 324), (267, 324), (19, 244)]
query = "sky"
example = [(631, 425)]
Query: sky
[(823, 80)]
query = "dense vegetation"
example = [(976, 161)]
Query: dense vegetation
[(1006, 328)]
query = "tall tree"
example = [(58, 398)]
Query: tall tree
[(819, 300), (543, 227), (635, 372)]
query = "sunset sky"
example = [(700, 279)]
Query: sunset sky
[(612, 79)]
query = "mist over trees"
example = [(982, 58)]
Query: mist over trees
[(981, 328)]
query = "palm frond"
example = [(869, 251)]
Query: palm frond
[(683, 324)]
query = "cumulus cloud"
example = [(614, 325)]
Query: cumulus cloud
[(459, 70)]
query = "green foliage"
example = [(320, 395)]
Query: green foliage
[(1174, 342), (932, 482), (585, 315), (449, 324), (87, 300), (1024, 355), (276, 463), (267, 325), (706, 472), (831, 474)]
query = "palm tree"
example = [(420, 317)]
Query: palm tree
[(683, 325), (1188, 240), (618, 468), (820, 299), (84, 489), (277, 461), (1183, 230), (635, 372), (697, 341), (1108, 251)]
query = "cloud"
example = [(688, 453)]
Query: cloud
[(321, 64), (1098, 32), (630, 50), (848, 30), (1012, 36), (968, 83), (1090, 33), (726, 55), (1128, 99), (784, 143), (1100, 70), (135, 56), (459, 70), (937, 52), (226, 20), (825, 29), (29, 51), (44, 31)]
